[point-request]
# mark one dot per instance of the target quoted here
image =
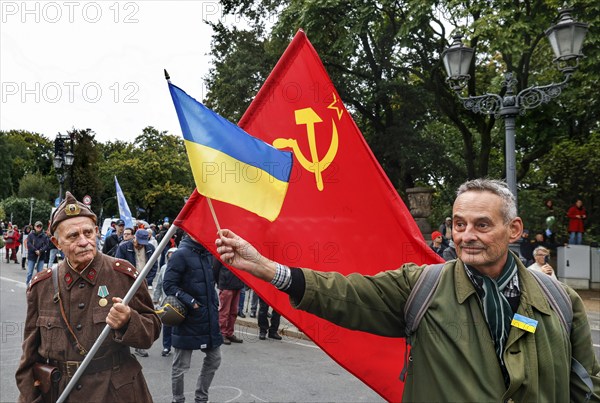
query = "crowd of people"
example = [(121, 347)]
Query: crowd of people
[(471, 240), (187, 271)]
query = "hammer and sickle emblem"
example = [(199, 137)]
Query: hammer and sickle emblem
[(309, 117)]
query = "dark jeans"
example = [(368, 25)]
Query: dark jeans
[(167, 330), (263, 320), (253, 302), (242, 298)]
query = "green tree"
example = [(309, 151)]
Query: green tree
[(17, 209), (83, 176), (6, 187), (35, 185), (24, 152), (571, 170), (384, 58), (153, 172)]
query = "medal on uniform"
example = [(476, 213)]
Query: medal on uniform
[(102, 293)]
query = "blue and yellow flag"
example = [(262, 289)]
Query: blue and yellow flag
[(230, 165)]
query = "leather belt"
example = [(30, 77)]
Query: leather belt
[(110, 361)]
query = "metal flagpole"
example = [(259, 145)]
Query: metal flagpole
[(138, 282)]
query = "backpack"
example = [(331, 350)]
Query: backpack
[(422, 293)]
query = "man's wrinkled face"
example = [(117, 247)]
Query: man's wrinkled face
[(479, 231), (76, 238)]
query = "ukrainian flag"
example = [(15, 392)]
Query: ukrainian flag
[(230, 165)]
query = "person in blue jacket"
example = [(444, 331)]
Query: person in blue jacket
[(189, 277)]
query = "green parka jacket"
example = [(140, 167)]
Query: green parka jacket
[(453, 357)]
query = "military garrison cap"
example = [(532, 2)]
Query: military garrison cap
[(70, 207)]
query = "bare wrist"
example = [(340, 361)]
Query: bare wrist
[(266, 269)]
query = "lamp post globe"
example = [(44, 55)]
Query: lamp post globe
[(457, 62), (566, 38)]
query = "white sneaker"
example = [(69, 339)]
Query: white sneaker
[(150, 287)]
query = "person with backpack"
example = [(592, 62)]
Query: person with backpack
[(190, 278), (491, 331)]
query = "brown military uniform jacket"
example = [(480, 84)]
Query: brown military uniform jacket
[(45, 335)]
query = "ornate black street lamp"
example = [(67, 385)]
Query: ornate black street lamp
[(566, 39), (62, 160)]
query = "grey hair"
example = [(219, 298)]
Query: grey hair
[(497, 187), (540, 248)]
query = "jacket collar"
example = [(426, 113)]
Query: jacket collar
[(89, 274), (531, 294)]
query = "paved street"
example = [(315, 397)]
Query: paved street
[(288, 370), (259, 371)]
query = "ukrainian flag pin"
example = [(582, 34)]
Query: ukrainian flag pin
[(525, 323)]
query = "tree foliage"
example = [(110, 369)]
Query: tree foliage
[(83, 173), (35, 185), (28, 153), (572, 168), (153, 171), (17, 210), (385, 60)]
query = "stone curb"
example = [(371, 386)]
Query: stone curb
[(285, 328)]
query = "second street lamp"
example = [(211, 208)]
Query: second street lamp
[(566, 39), (62, 161)]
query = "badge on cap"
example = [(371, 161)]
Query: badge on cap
[(524, 323), (72, 209), (102, 293)]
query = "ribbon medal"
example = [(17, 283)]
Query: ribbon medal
[(103, 293), (525, 323)]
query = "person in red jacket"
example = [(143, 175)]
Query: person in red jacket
[(576, 216), (11, 240)]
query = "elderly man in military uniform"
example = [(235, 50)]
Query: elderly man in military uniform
[(68, 308)]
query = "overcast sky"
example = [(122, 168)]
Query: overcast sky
[(99, 64)]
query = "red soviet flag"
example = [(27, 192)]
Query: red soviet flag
[(341, 212)]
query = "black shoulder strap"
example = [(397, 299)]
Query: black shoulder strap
[(557, 298), (420, 297), (561, 304), (417, 303)]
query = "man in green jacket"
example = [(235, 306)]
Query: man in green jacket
[(465, 349)]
